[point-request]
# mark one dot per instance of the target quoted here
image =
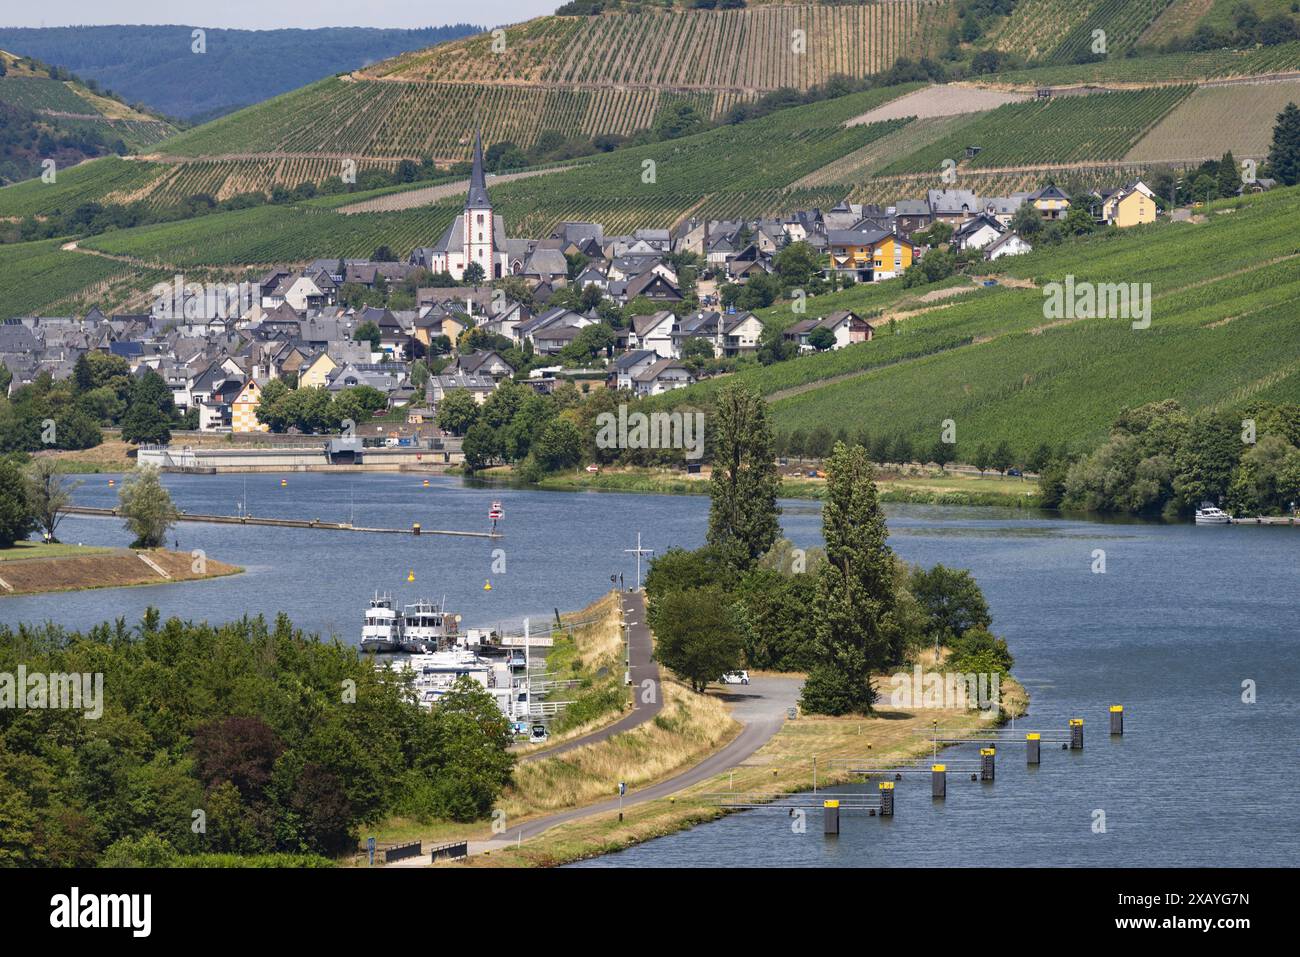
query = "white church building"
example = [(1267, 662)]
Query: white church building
[(477, 236)]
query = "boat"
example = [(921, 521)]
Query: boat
[(428, 627), (382, 631), (1209, 514)]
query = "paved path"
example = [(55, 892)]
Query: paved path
[(759, 706), (645, 678)]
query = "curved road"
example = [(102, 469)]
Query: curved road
[(759, 706), (645, 678)]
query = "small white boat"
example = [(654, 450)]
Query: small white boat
[(1210, 515)]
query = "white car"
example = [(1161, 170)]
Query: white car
[(735, 678)]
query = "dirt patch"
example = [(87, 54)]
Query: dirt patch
[(113, 569), (943, 100)]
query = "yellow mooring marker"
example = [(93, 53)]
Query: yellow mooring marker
[(410, 576), (487, 586)]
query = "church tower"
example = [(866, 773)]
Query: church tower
[(479, 240)]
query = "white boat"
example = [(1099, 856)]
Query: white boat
[(382, 631), (428, 627), (1210, 515)]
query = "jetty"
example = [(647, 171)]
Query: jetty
[(316, 523)]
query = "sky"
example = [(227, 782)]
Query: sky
[(264, 15)]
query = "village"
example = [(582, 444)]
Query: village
[(581, 307)]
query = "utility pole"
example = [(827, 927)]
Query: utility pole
[(639, 551)]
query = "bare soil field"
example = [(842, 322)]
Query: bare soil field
[(942, 100), (107, 569)]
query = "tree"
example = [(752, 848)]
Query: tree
[(696, 635), (941, 453), (16, 520), (367, 332), (798, 263), (473, 275), (951, 598), (147, 507), (855, 593), (480, 446), (1027, 221), (49, 493), (821, 339), (1003, 458), (1284, 153), (149, 415), (743, 510), (457, 411), (471, 738), (559, 445), (983, 459)]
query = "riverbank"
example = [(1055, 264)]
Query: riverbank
[(784, 765), (916, 487), (32, 568)]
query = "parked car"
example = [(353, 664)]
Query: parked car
[(1015, 473), (539, 734), (735, 678)]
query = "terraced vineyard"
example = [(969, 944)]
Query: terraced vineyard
[(37, 276), (1222, 333), (1163, 68), (748, 49), (1059, 131), (1216, 119), (1122, 22), (92, 181), (1071, 179)]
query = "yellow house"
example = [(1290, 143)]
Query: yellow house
[(1050, 201), (243, 411), (869, 255), (1129, 206), (316, 373)]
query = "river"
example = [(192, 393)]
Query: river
[(1180, 618)]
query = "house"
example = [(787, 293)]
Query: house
[(1008, 244), (1130, 205), (730, 333), (654, 332), (952, 206), (243, 410), (629, 365), (1050, 201), (870, 256), (478, 386), (846, 326), (316, 371), (487, 363), (977, 232), (662, 376)]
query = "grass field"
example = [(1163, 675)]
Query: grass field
[(25, 550)]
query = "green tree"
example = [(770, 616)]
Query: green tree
[(797, 264), (983, 459), (471, 738), (951, 598), (367, 332), (559, 446), (457, 411), (149, 415), (743, 489), (147, 507), (821, 339), (696, 635), (49, 493), (1003, 458), (16, 519), (855, 592), (1284, 153), (473, 275)]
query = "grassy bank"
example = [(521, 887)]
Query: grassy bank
[(783, 766), (32, 568), (918, 486)]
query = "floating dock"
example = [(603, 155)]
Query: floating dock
[(291, 523)]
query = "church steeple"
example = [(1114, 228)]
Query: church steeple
[(478, 194)]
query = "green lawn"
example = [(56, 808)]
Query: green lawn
[(24, 550)]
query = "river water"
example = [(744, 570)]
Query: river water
[(1178, 621)]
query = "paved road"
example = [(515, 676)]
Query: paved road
[(759, 706), (647, 696)]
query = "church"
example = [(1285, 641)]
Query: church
[(477, 236)]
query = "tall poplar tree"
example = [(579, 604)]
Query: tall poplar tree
[(1284, 153), (855, 596), (743, 514)]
